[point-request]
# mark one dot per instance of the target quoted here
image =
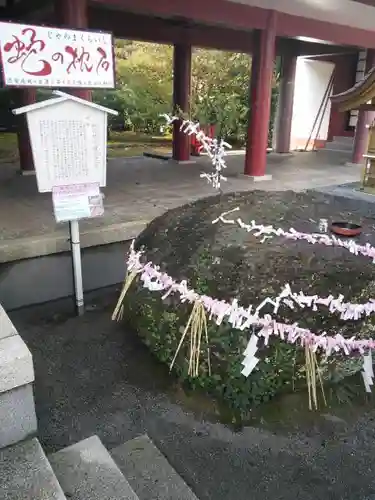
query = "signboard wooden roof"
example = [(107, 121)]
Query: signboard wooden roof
[(63, 96)]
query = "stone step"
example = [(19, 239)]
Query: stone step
[(86, 471), (343, 145), (149, 473), (26, 474), (338, 149), (336, 145), (341, 139)]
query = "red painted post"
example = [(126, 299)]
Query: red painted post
[(260, 95), (364, 119), (181, 98), (24, 97), (283, 126), (345, 68), (73, 14)]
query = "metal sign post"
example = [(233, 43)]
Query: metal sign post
[(75, 246), (72, 203), (69, 141)]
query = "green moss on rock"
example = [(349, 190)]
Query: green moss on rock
[(226, 262)]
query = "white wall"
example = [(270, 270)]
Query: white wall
[(312, 79)]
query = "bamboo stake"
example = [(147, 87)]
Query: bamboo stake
[(195, 327), (119, 309), (313, 376)]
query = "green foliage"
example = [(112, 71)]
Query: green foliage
[(220, 89), (144, 86), (123, 101), (160, 327)]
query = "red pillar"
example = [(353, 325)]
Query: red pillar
[(260, 95), (181, 98), (24, 97), (73, 14), (364, 119), (283, 126), (345, 68)]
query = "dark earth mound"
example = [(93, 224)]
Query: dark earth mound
[(225, 262)]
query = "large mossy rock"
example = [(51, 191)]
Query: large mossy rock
[(225, 262)]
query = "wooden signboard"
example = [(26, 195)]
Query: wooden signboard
[(68, 138)]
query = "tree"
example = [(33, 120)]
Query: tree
[(220, 88), (144, 85)]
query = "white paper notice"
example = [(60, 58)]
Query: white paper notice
[(77, 201)]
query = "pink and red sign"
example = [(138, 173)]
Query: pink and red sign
[(53, 57)]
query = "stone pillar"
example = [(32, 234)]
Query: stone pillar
[(73, 14), (181, 98), (260, 96), (364, 119), (283, 122), (24, 97)]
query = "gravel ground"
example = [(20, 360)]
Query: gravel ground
[(92, 377)]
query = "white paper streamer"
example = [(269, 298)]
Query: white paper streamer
[(250, 361), (242, 318), (262, 231), (368, 371), (216, 150)]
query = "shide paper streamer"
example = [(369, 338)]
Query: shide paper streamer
[(242, 318), (215, 149), (347, 310), (245, 318)]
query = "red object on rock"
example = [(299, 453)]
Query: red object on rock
[(195, 145), (346, 229)]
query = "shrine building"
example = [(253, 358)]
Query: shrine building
[(324, 46)]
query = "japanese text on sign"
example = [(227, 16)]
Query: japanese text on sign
[(79, 201), (70, 144), (54, 57), (68, 148)]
